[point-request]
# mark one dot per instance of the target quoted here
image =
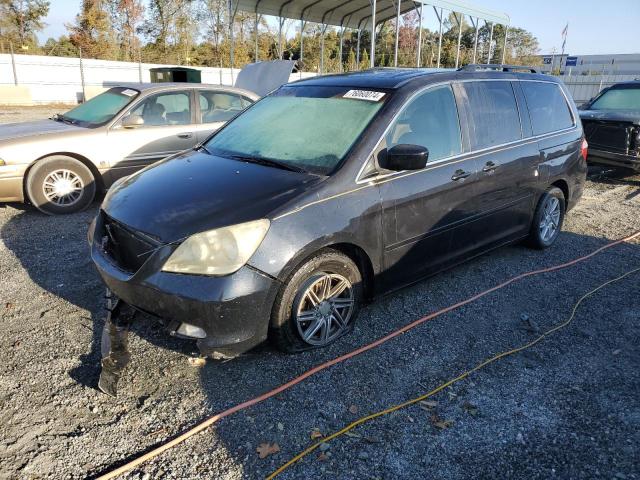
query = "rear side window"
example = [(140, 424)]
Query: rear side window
[(494, 114), (548, 107)]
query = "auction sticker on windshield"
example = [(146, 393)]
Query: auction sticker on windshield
[(128, 92), (364, 95)]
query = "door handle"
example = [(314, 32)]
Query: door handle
[(489, 167), (459, 175), (185, 135)]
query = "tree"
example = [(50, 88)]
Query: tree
[(20, 20), (126, 16), (93, 32)]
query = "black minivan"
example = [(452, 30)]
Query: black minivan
[(332, 190)]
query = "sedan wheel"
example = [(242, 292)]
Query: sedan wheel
[(63, 187), (324, 308)]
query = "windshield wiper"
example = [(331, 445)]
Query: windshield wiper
[(61, 118), (202, 148), (269, 162)]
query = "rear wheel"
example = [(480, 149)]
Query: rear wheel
[(318, 304), (547, 219), (60, 184)]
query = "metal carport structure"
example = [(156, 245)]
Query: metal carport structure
[(367, 15)]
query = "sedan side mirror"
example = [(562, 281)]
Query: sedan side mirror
[(132, 121), (404, 157)]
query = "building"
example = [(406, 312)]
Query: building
[(614, 64)]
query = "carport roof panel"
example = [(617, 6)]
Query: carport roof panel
[(357, 13)]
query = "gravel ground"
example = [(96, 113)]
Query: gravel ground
[(567, 408)]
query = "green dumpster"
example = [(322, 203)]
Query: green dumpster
[(175, 74)]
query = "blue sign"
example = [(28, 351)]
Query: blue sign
[(571, 62)]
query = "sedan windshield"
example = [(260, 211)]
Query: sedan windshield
[(303, 128), (618, 99), (101, 108)]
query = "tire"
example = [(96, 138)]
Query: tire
[(326, 268), (539, 237), (48, 172)]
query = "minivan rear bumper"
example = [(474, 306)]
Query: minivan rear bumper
[(233, 310), (604, 157)]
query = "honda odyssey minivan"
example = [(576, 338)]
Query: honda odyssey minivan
[(332, 190)]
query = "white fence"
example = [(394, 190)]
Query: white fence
[(63, 79), (585, 87), (45, 79)]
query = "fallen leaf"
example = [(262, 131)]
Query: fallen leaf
[(8, 305), (353, 409), (440, 423), (266, 449), (470, 408), (197, 361), (315, 434), (323, 456)]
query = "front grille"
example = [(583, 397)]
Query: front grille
[(610, 136), (127, 248)]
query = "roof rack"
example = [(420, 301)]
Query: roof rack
[(474, 67)]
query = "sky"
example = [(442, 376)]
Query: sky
[(595, 26)]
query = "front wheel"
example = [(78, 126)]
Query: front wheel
[(547, 219), (318, 303), (60, 184)]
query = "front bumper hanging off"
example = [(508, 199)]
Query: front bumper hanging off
[(115, 344)]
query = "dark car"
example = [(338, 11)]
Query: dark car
[(332, 190), (611, 122)]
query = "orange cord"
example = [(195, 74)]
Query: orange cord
[(285, 386)]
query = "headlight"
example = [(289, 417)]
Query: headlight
[(218, 252)]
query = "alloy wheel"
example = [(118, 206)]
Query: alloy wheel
[(550, 222), (324, 308)]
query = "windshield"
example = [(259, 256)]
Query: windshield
[(101, 108), (618, 99), (307, 128)]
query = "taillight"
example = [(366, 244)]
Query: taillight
[(584, 148)]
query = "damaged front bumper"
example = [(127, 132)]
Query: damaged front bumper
[(603, 157), (231, 314)]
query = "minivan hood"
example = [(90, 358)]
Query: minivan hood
[(611, 116), (12, 131), (195, 192)]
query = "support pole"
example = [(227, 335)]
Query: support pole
[(324, 29), (358, 52), (395, 50), (439, 35), (280, 25), (341, 44), (232, 15), (419, 53), (459, 36), (301, 46), (140, 65), (373, 34), (504, 46), (490, 40), (13, 64), (255, 31), (84, 93), (475, 24)]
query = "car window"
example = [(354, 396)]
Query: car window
[(494, 118), (620, 98), (430, 120), (219, 106), (171, 108), (101, 108), (547, 106)]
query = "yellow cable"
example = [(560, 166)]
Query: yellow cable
[(483, 364)]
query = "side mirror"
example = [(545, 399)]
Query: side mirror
[(404, 157), (132, 121)]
